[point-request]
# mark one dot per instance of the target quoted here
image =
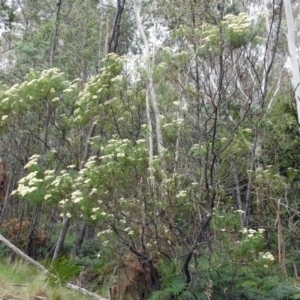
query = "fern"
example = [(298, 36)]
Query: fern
[(177, 289), (160, 295), (63, 270)]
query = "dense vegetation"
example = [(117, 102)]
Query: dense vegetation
[(151, 148)]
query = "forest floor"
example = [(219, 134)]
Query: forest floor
[(21, 281)]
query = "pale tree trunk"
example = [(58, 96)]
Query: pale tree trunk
[(149, 69), (150, 95), (293, 52), (150, 98)]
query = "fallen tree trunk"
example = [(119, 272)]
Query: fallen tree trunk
[(84, 291), (23, 255), (46, 272)]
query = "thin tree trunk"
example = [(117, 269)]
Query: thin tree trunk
[(238, 192), (55, 33), (115, 32), (87, 145), (21, 216), (193, 248), (62, 236), (31, 233), (281, 244), (80, 238), (6, 201), (255, 153)]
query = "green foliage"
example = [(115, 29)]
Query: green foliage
[(4, 251), (34, 46), (236, 30), (102, 92), (86, 146), (239, 30), (63, 270), (280, 146), (173, 286), (175, 290)]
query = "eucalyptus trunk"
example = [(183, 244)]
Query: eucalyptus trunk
[(293, 52)]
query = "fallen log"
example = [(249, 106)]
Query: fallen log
[(84, 291), (47, 272), (23, 255)]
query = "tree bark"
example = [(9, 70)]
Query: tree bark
[(80, 239), (151, 88), (293, 53), (6, 201), (115, 32), (30, 238), (55, 32), (62, 236), (84, 291)]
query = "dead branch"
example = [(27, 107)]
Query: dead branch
[(45, 271)]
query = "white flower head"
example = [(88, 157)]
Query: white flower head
[(261, 230), (268, 256)]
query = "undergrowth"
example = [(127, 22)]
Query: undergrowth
[(21, 281)]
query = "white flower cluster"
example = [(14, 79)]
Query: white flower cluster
[(181, 194), (268, 256), (27, 184), (32, 161), (239, 22), (76, 196), (49, 174), (107, 231), (251, 232)]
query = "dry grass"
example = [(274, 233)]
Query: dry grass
[(21, 281)]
